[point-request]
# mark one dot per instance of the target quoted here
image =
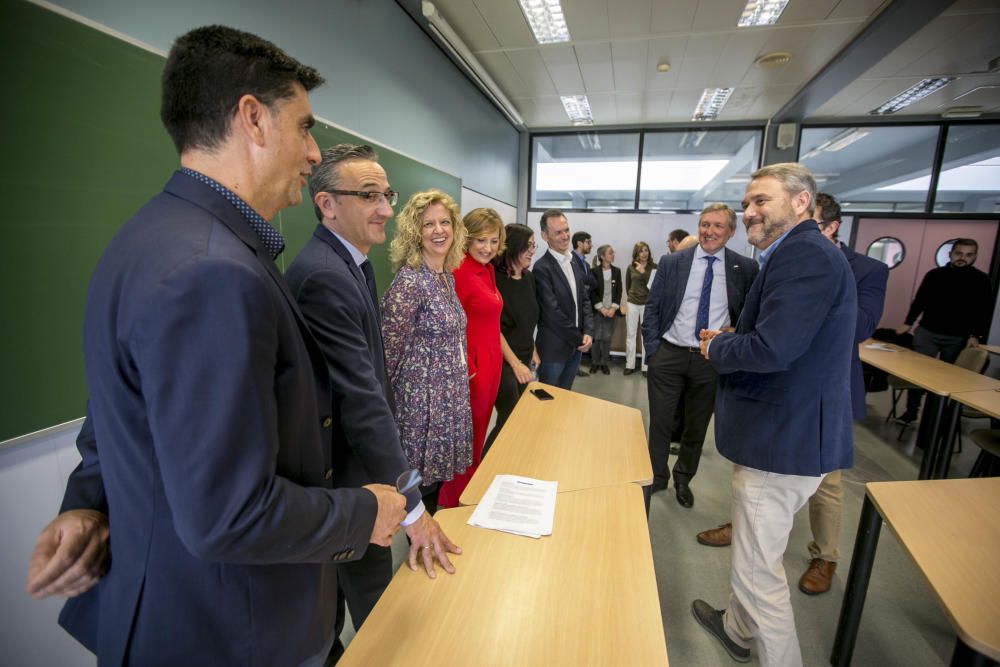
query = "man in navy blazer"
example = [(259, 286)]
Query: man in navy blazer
[(212, 440), (334, 284), (670, 336), (565, 321), (783, 408)]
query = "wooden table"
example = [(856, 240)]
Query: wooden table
[(994, 349), (941, 380), (586, 595), (579, 441), (951, 530)]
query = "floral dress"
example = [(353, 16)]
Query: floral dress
[(423, 328)]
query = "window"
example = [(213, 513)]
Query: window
[(889, 250), (685, 170), (585, 170), (970, 171), (873, 168)]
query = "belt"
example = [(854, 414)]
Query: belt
[(696, 350)]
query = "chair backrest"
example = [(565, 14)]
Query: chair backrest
[(973, 359)]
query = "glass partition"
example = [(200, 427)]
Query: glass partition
[(872, 168), (585, 170), (685, 170), (970, 171)]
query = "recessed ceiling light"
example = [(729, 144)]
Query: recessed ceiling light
[(578, 109), (546, 20), (711, 103), (912, 94), (663, 66), (772, 60), (761, 12)]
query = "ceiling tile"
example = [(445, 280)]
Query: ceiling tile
[(586, 19), (673, 16), (629, 107), (629, 59), (596, 67), (531, 68), (465, 19), (806, 12), (500, 68), (628, 18), (855, 9), (507, 23), (718, 15), (603, 108), (564, 71), (671, 50)]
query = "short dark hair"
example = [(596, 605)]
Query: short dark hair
[(326, 176), (518, 238), (209, 69), (579, 237), (831, 209), (551, 213), (966, 242), (677, 235)]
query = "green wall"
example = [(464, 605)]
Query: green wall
[(83, 149)]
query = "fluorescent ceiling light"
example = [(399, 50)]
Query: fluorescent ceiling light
[(711, 103), (578, 109), (981, 176), (838, 143), (546, 20), (912, 94), (761, 12), (658, 175)]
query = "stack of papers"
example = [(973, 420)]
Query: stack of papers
[(517, 505)]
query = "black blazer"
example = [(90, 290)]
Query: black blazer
[(331, 291), (670, 282), (558, 333), (597, 293)]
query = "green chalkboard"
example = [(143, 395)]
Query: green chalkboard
[(82, 150)]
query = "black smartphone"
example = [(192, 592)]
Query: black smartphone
[(542, 395)]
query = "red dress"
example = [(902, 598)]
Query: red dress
[(476, 286)]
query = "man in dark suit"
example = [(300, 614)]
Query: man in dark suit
[(783, 409), (698, 288), (211, 442), (870, 278), (565, 322), (334, 284)]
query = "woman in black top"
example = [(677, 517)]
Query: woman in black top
[(517, 321), (606, 298)]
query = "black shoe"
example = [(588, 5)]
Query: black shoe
[(605, 370), (684, 495), (675, 449), (907, 417), (711, 620), (644, 374), (580, 373), (594, 370), (657, 486), (629, 371)]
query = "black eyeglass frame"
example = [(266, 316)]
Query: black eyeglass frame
[(391, 196)]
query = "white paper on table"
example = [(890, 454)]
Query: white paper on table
[(518, 505), (879, 346)]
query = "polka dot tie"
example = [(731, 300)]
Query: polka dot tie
[(268, 235)]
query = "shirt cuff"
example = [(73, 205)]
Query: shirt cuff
[(415, 514)]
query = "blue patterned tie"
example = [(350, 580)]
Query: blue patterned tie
[(706, 297)]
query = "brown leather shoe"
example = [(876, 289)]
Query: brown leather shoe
[(717, 537), (818, 577)]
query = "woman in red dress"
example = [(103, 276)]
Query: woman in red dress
[(476, 285)]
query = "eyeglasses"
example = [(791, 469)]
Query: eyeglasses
[(376, 198)]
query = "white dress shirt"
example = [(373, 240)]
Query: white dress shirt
[(566, 264), (682, 332)]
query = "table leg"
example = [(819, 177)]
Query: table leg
[(869, 527), (967, 657), (952, 413), (929, 434)]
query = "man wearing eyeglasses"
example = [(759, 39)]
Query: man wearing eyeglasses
[(334, 284)]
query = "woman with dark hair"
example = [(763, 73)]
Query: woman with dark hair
[(636, 292), (517, 322), (606, 297)]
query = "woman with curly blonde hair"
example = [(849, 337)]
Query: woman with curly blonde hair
[(423, 329)]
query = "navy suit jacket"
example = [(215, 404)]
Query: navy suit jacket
[(331, 291), (783, 404), (209, 444), (558, 333), (870, 276), (670, 283)]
